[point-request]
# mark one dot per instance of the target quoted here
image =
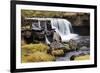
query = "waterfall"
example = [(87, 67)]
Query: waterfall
[(46, 40), (64, 29)]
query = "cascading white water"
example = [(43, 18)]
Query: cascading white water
[(64, 29)]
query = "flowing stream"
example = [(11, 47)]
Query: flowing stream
[(83, 51), (72, 53)]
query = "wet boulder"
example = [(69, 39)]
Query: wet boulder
[(57, 48), (73, 44), (56, 45), (67, 47), (84, 48)]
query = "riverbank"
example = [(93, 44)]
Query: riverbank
[(68, 51)]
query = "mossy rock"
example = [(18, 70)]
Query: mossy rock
[(67, 47), (73, 44), (84, 57), (58, 52)]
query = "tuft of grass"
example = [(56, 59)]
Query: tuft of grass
[(35, 47), (37, 57), (84, 57)]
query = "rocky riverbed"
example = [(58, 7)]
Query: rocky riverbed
[(57, 51), (83, 48), (68, 56)]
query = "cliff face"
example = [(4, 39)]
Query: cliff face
[(80, 21)]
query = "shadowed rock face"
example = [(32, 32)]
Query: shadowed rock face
[(82, 30)]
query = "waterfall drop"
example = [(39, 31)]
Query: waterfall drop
[(64, 29)]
